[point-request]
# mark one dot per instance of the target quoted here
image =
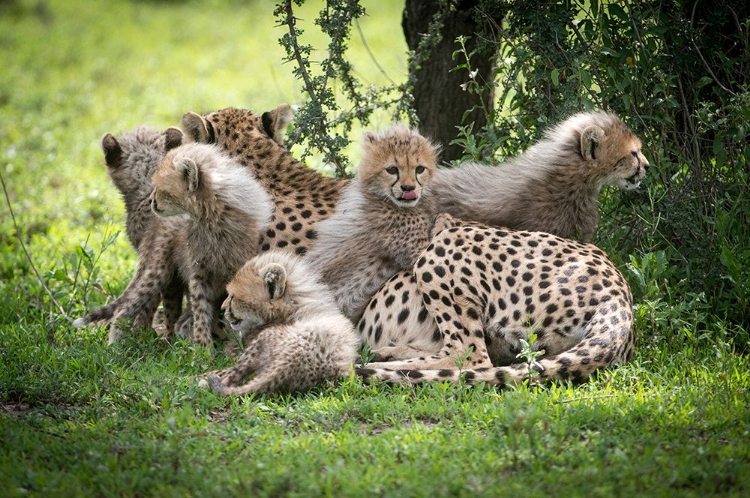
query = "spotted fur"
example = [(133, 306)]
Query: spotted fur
[(224, 208), (383, 219), (553, 187), (301, 195), (490, 288), (295, 335)]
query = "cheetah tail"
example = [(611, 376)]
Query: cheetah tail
[(567, 366)]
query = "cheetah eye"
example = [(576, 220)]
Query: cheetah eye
[(634, 153), (392, 170), (420, 169)]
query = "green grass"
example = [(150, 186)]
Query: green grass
[(80, 418)]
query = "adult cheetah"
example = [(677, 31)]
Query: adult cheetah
[(553, 187), (490, 288), (302, 196)]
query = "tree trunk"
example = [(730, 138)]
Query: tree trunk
[(439, 101)]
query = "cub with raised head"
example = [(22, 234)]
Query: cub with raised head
[(131, 160), (489, 289), (226, 209), (302, 196), (383, 219), (295, 335), (553, 187)]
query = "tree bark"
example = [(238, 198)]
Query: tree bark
[(439, 101)]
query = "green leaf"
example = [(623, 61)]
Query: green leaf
[(555, 76), (618, 12)]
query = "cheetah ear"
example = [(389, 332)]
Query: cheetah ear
[(369, 139), (275, 122), (195, 128), (172, 138), (189, 171), (590, 139), (274, 275), (112, 150)]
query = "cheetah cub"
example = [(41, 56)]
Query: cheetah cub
[(131, 161), (295, 335), (383, 219), (226, 209)]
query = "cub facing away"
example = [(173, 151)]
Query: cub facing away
[(226, 208), (295, 335), (383, 218), (131, 160)]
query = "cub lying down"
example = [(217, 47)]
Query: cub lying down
[(295, 335)]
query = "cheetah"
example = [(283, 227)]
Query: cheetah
[(131, 161), (302, 196), (296, 337), (226, 208), (553, 187), (490, 288), (383, 218)]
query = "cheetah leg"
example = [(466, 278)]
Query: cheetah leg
[(141, 298), (395, 353), (171, 296), (463, 339), (250, 361), (139, 301), (202, 305), (260, 384)]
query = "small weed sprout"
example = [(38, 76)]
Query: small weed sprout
[(365, 354), (460, 360), (529, 356)]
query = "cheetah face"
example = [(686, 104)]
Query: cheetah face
[(256, 297), (175, 181), (241, 316), (398, 164), (404, 186), (616, 157), (630, 169), (164, 205)]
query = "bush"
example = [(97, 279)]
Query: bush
[(678, 74)]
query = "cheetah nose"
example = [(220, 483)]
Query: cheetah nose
[(408, 188)]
